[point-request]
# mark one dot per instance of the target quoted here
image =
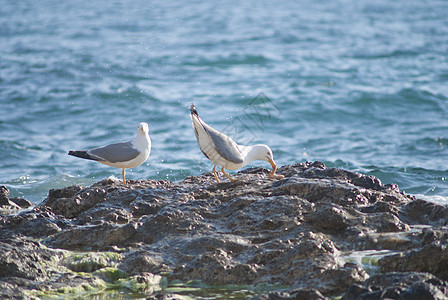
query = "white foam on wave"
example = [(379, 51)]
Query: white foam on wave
[(438, 199), (37, 190)]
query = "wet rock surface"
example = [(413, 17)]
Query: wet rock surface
[(297, 235)]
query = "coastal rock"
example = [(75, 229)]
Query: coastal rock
[(397, 285), (296, 233), (8, 206), (424, 212), (21, 258), (431, 258), (21, 202), (4, 195)]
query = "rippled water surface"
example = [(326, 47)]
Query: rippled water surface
[(361, 86)]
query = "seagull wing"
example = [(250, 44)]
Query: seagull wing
[(221, 143), (225, 146), (118, 152)]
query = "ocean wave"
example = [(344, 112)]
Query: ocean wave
[(37, 190), (227, 60)]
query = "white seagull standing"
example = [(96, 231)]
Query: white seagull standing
[(124, 155), (225, 152)]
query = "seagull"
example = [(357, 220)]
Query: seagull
[(124, 155), (225, 152)]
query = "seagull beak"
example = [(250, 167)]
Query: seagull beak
[(272, 174), (274, 166)]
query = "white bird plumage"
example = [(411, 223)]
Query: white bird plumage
[(124, 155), (225, 152)]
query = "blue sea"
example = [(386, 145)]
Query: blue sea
[(359, 85)]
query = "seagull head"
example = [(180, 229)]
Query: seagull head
[(265, 153), (143, 128)]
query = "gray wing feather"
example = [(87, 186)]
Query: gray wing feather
[(114, 153), (224, 145)]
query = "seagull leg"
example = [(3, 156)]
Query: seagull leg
[(227, 175), (124, 180), (216, 175)]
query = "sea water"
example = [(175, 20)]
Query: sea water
[(357, 85)]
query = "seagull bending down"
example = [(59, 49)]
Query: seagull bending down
[(225, 152), (124, 155)]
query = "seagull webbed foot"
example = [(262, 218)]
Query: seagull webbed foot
[(272, 175)]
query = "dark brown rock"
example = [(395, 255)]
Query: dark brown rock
[(396, 285), (22, 202), (4, 195), (424, 212), (431, 258)]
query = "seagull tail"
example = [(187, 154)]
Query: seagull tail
[(81, 154), (193, 110)]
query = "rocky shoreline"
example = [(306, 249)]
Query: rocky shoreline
[(318, 233)]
